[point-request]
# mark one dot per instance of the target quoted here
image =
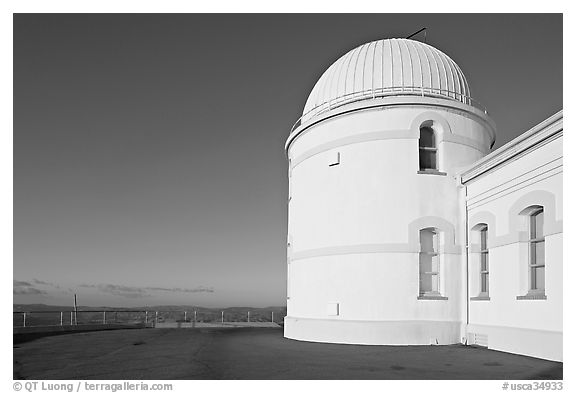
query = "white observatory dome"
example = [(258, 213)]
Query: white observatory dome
[(389, 67), (375, 237)]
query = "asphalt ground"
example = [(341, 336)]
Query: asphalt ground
[(255, 354)]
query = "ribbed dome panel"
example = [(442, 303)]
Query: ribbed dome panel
[(393, 66)]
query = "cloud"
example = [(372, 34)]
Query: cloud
[(45, 283), (30, 288), (118, 290), (182, 290), (26, 288), (139, 292)]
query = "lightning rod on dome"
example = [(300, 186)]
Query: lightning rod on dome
[(419, 31)]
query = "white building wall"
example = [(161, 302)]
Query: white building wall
[(529, 174), (354, 227)]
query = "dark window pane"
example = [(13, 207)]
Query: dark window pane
[(537, 225), (428, 240), (484, 283), (425, 263), (540, 253), (533, 259), (484, 262), (425, 283), (539, 222), (483, 239), (539, 278), (427, 159), (427, 138)]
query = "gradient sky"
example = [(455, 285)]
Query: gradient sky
[(148, 149)]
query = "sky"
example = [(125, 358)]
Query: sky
[(149, 164)]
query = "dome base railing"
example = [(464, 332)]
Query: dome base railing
[(387, 92)]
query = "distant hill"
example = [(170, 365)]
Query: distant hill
[(44, 314), (47, 307)]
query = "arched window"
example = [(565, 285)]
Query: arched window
[(484, 267), (429, 262), (427, 149), (536, 252)]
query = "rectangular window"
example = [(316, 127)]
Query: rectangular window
[(536, 251), (484, 269), (427, 149), (429, 263)]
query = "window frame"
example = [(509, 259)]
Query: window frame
[(435, 293), (484, 262), (531, 213), (427, 150), (533, 241)]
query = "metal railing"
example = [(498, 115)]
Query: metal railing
[(140, 317), (387, 92)]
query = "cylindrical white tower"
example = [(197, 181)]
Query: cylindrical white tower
[(374, 243)]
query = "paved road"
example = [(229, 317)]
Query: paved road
[(257, 353)]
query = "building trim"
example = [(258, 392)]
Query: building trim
[(516, 234), (428, 297), (353, 139), (538, 135), (532, 296), (383, 135), (391, 102), (513, 185), (384, 248), (480, 298)]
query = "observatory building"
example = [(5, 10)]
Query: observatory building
[(404, 227)]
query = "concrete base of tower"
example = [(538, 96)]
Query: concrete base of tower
[(372, 332)]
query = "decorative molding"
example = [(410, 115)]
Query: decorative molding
[(428, 297), (439, 124), (479, 298), (393, 102), (535, 198), (353, 249), (516, 232), (352, 139), (448, 247), (509, 187), (535, 296), (538, 135), (429, 172)]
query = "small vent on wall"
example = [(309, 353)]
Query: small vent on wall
[(334, 158), (478, 339), (333, 309)]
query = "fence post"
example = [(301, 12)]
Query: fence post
[(104, 318), (61, 318), (272, 316), (146, 318), (194, 317), (248, 316), (71, 319), (185, 316), (156, 319), (24, 320), (222, 317)]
